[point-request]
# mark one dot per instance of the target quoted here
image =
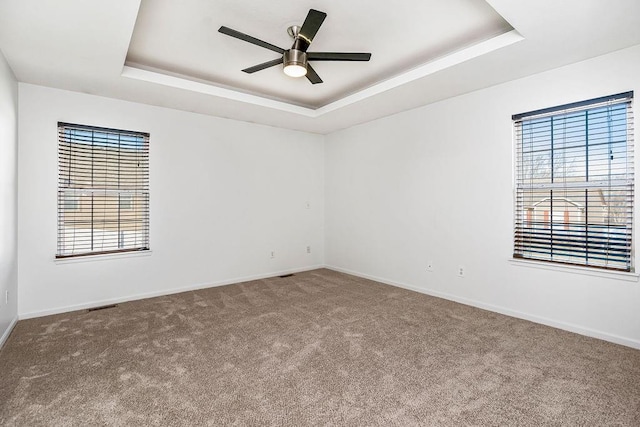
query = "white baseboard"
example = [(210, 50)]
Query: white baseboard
[(502, 310), (6, 334), (83, 306)]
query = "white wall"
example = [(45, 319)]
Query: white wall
[(224, 194), (8, 198), (432, 184), (436, 184)]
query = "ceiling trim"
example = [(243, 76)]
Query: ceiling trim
[(132, 71)]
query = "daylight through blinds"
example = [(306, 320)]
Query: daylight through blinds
[(574, 183), (103, 190)]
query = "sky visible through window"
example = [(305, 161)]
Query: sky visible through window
[(104, 139), (557, 144)]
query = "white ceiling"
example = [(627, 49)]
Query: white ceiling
[(181, 37), (422, 51)]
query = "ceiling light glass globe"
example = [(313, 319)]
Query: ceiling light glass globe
[(295, 70)]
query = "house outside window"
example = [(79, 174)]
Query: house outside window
[(126, 201), (71, 202)]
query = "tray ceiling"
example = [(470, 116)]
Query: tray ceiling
[(182, 38), (170, 54)]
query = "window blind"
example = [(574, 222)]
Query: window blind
[(574, 183), (103, 190)]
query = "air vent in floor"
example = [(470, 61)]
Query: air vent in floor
[(104, 307)]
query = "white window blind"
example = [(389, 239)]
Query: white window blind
[(574, 183), (103, 190)]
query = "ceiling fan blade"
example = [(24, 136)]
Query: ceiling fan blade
[(312, 75), (253, 40), (263, 66), (338, 56), (311, 25)]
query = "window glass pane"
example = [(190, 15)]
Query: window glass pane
[(535, 159)]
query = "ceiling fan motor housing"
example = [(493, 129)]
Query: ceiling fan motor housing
[(295, 57)]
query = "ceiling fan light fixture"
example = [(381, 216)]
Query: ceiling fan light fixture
[(294, 70), (295, 63), (295, 60)]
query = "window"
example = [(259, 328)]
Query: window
[(103, 190), (574, 183)]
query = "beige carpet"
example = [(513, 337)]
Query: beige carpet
[(318, 348)]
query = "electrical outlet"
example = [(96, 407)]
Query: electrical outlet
[(273, 254), (430, 266), (308, 249), (461, 271)]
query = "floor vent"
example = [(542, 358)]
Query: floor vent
[(285, 275), (104, 307)]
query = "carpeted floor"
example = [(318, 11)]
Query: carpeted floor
[(316, 348)]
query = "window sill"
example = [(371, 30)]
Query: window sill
[(586, 271), (102, 257)]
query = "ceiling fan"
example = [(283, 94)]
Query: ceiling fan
[(296, 59)]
